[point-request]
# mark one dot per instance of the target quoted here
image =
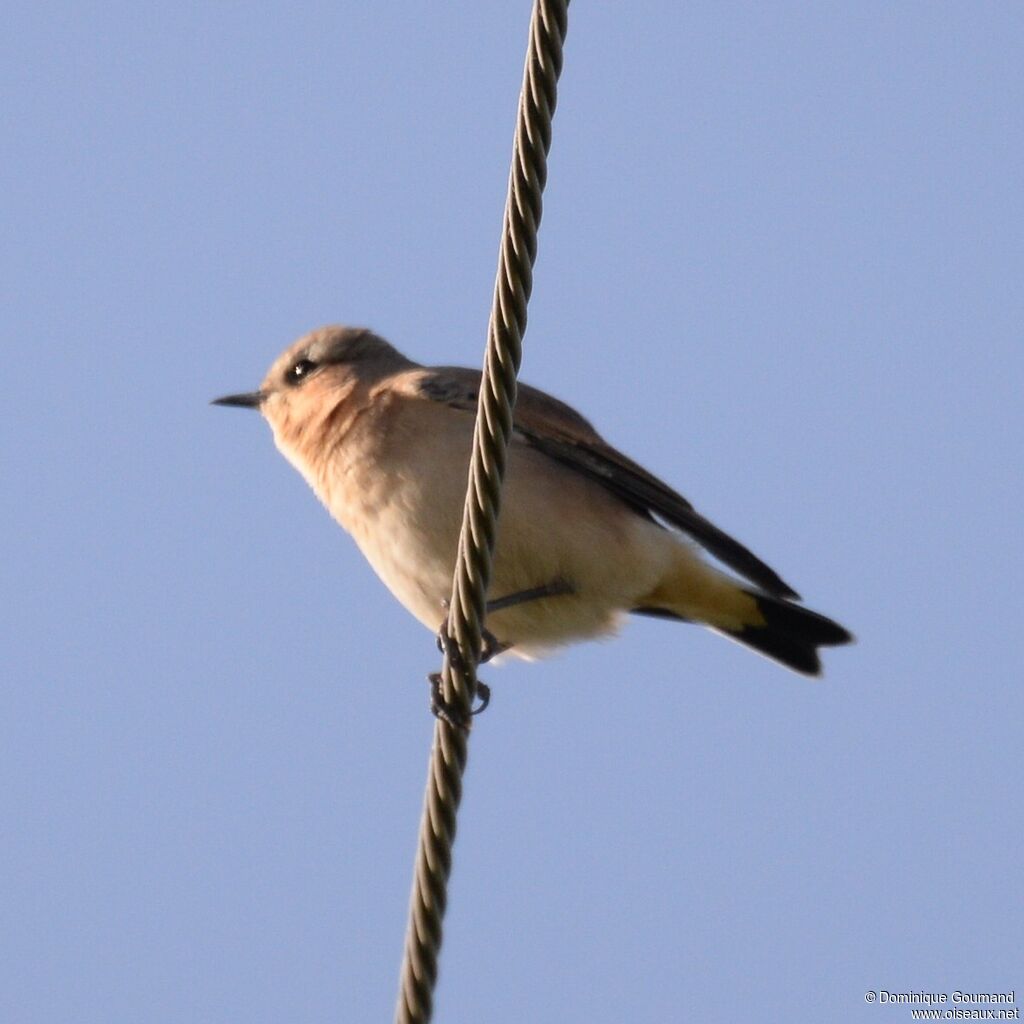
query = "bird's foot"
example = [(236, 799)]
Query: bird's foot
[(449, 647), (447, 712), (490, 645)]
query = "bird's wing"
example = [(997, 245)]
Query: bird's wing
[(561, 433)]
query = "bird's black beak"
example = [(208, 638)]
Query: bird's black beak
[(251, 400)]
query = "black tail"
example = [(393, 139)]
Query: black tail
[(791, 634)]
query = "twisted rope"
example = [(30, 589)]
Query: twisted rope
[(467, 609)]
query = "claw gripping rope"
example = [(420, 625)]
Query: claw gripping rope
[(505, 331)]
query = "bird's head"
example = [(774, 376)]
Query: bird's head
[(314, 380)]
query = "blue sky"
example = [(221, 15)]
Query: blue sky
[(780, 265)]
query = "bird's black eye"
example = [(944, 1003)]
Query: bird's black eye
[(303, 368)]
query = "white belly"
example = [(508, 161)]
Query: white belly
[(403, 507)]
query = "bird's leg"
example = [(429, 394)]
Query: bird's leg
[(556, 588), (490, 647)]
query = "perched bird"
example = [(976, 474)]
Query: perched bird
[(585, 534)]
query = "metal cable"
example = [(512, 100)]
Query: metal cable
[(467, 609)]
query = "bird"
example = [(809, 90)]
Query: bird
[(586, 536)]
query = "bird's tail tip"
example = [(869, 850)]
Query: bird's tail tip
[(790, 634)]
